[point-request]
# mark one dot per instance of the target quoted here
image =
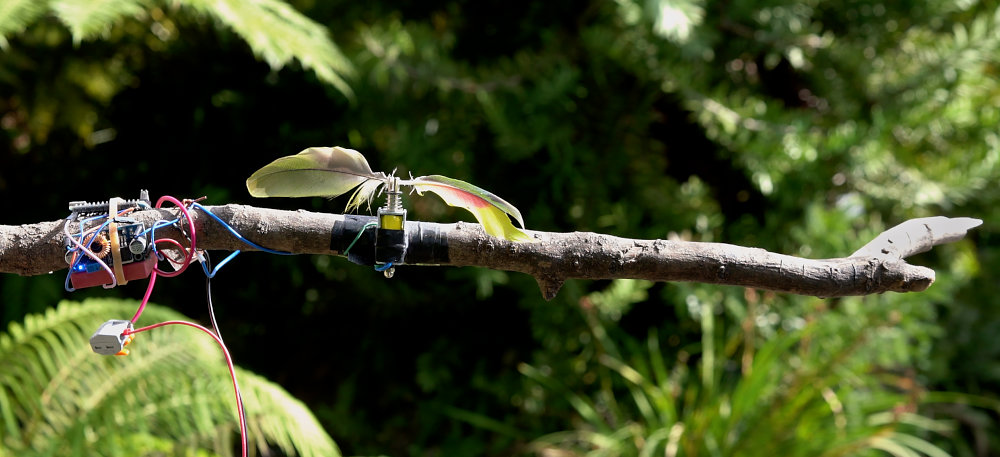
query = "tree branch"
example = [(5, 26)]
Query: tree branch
[(875, 268)]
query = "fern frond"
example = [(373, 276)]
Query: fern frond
[(90, 18), (16, 15), (306, 438), (275, 31), (278, 33), (171, 395)]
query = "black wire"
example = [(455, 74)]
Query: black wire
[(215, 328), (208, 298)]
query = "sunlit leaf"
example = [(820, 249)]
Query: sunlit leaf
[(491, 211)]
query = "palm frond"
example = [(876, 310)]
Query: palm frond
[(171, 395)]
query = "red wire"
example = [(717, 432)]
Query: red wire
[(152, 280), (171, 240), (188, 253), (229, 363), (145, 298)]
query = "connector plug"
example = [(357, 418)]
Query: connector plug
[(112, 337)]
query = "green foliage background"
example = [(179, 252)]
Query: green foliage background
[(171, 397), (800, 127)]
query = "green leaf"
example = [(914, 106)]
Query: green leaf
[(317, 172), (892, 447), (491, 211), (922, 446)]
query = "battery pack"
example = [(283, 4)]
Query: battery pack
[(100, 277)]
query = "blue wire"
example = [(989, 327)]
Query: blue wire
[(80, 257), (69, 271), (85, 221), (152, 234), (103, 226), (214, 271), (225, 261), (204, 266), (237, 234), (159, 224), (66, 285), (384, 267)]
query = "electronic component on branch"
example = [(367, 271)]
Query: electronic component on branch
[(114, 248)]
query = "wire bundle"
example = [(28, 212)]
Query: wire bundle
[(83, 242), (86, 237)]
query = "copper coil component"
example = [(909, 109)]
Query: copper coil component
[(105, 246)]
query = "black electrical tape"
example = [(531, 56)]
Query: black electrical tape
[(390, 246), (428, 243), (343, 234)]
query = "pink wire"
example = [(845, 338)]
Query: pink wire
[(189, 253), (145, 298), (229, 363), (180, 247), (152, 280)]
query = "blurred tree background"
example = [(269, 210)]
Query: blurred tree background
[(801, 127)]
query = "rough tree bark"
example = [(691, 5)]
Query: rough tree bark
[(875, 268)]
